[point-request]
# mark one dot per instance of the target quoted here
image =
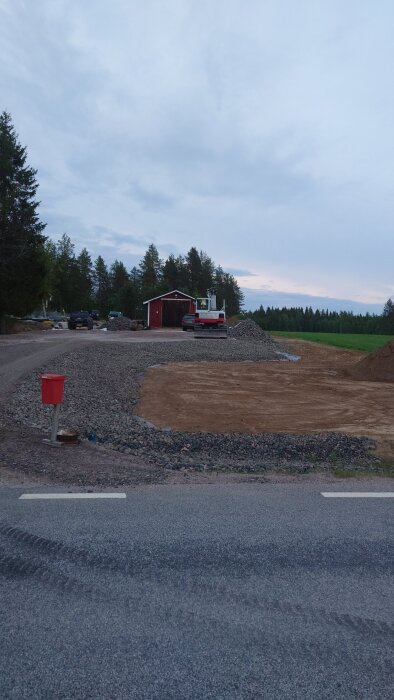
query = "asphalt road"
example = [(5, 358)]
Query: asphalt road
[(254, 591)]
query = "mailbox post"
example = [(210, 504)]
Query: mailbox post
[(52, 393)]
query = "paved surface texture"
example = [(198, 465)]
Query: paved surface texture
[(254, 591)]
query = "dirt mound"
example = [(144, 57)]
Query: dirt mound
[(249, 330), (25, 326), (378, 366)]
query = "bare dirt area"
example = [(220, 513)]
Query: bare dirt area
[(291, 406), (26, 460), (315, 394)]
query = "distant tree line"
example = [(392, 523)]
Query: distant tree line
[(76, 282), (300, 319)]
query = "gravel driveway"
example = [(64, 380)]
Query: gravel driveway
[(101, 392)]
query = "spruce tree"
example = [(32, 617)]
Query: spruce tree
[(207, 273), (193, 262), (120, 297), (388, 316), (135, 294), (171, 273), (101, 286), (84, 280), (65, 277), (227, 290), (151, 268), (23, 261)]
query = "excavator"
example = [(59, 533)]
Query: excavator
[(209, 322)]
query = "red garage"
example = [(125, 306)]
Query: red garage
[(167, 310)]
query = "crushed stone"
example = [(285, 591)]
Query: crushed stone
[(122, 323), (102, 390), (250, 330)]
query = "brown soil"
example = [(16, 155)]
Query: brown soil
[(24, 327), (378, 366), (313, 395)]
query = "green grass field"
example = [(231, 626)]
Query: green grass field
[(352, 341)]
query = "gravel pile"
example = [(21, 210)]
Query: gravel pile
[(102, 390), (249, 330), (122, 323)]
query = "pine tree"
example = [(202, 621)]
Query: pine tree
[(23, 262), (176, 274), (227, 290), (119, 282), (137, 311), (49, 282), (65, 277), (171, 273), (388, 316), (193, 263), (151, 273), (84, 281), (101, 286), (207, 272)]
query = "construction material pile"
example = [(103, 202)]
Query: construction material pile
[(122, 323), (249, 330), (378, 366)]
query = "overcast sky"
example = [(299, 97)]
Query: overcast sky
[(260, 131)]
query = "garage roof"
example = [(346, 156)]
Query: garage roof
[(166, 294)]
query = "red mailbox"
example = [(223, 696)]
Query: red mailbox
[(52, 388)]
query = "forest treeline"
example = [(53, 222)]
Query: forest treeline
[(77, 282), (300, 319)]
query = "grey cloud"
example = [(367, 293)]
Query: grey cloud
[(234, 131), (99, 240), (150, 199), (199, 168), (277, 299), (236, 272)]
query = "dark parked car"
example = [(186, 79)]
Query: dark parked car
[(80, 319), (95, 314), (188, 322)]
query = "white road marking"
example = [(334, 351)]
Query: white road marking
[(357, 494), (36, 496)]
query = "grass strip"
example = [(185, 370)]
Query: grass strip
[(350, 341)]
